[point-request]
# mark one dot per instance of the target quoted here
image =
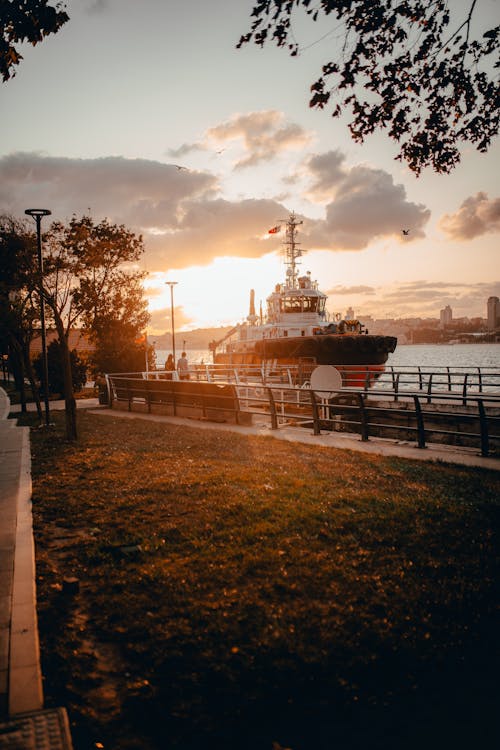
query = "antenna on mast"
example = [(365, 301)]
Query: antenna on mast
[(292, 250)]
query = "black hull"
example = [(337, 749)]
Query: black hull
[(328, 349)]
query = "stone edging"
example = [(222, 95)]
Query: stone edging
[(25, 677)]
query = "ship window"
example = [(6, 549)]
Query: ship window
[(300, 304), (310, 304), (292, 305)]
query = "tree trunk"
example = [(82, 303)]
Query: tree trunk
[(31, 377), (69, 398), (17, 360)]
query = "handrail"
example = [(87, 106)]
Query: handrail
[(476, 423), (399, 384)]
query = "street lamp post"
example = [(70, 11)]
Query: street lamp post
[(171, 285), (37, 214)]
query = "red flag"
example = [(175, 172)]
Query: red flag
[(274, 230)]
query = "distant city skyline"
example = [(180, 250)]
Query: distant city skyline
[(201, 148)]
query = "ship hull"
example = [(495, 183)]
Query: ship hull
[(359, 358)]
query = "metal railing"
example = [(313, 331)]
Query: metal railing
[(448, 421), (461, 382)]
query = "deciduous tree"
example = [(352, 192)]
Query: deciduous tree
[(110, 296), (27, 21), (413, 69), (19, 303), (90, 280)]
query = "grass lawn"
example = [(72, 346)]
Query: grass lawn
[(246, 593)]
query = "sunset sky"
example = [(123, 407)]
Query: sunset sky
[(101, 116)]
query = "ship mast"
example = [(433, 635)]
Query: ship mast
[(292, 251)]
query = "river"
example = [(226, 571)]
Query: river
[(446, 355), (413, 355)]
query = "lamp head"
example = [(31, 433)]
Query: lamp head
[(34, 212)]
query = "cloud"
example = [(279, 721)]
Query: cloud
[(182, 217), (137, 192), (476, 216), (216, 228), (97, 6), (341, 290), (264, 134), (186, 148), (365, 205), (420, 298), (161, 320), (177, 211), (327, 172), (419, 285)]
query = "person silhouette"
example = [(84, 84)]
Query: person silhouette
[(183, 367)]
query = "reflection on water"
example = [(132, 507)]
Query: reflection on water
[(414, 355), (446, 355), (423, 367)]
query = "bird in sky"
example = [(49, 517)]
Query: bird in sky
[(179, 166), (406, 232)]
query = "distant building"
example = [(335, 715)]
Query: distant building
[(493, 314), (349, 315), (76, 340), (445, 316)]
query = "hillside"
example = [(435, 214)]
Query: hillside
[(197, 339)]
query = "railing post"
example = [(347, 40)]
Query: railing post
[(449, 379), (420, 423), (109, 386), (130, 396), (367, 379), (464, 392), (429, 389), (483, 426), (396, 386), (480, 379), (236, 405), (420, 382), (272, 409), (315, 413), (202, 392), (363, 422)]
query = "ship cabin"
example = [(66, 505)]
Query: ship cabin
[(301, 305)]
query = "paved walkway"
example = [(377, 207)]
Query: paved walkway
[(20, 676), (23, 721), (342, 441)]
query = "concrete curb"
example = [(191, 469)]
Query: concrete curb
[(25, 676), (4, 405), (22, 684), (25, 723)]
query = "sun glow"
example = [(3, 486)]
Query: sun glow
[(213, 295)]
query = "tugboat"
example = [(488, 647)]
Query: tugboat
[(296, 330)]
